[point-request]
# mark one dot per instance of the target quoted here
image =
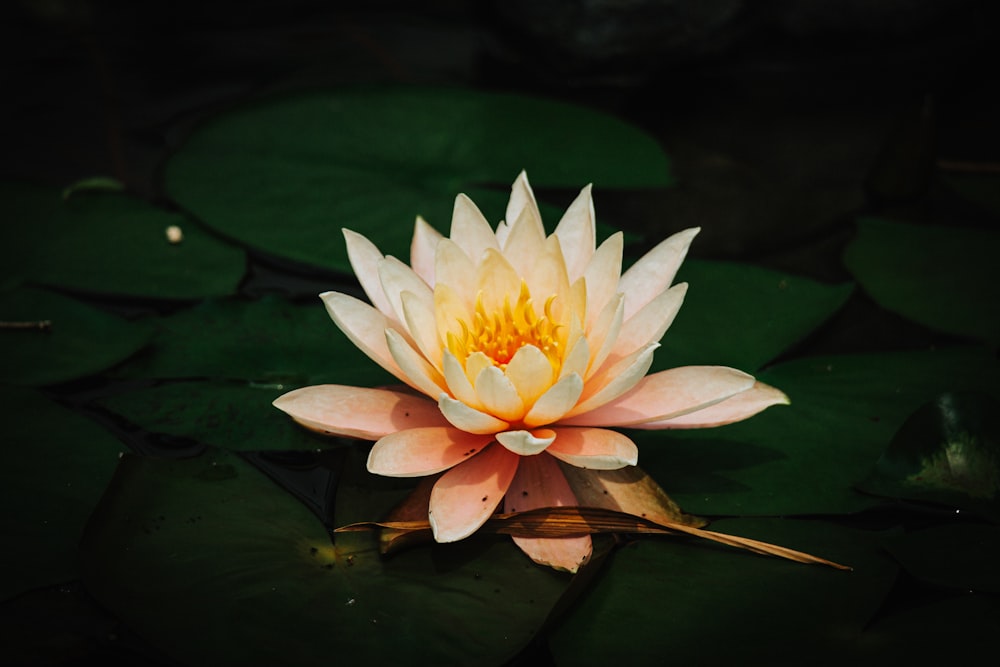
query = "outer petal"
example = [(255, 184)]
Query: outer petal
[(397, 278), (650, 323), (577, 234), (465, 496), (417, 452), (365, 258), (425, 240), (733, 409), (357, 412), (466, 418), (614, 380), (669, 393), (540, 483), (594, 448), (655, 270), (365, 327), (419, 373), (526, 443), (470, 230)]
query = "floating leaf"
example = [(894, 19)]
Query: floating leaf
[(110, 243), (56, 467), (960, 556), (743, 316), (807, 457), (948, 452), (211, 561), (677, 598), (269, 341), (50, 338), (227, 415), (945, 278), (286, 173)]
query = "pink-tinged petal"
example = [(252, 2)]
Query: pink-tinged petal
[(365, 327), (470, 230), (733, 409), (498, 395), (358, 412), (604, 333), (419, 373), (465, 496), (613, 381), (530, 372), (397, 278), (539, 482), (594, 448), (458, 383), (422, 322), (554, 403), (650, 323), (453, 268), (365, 258), (522, 202), (467, 418), (655, 270), (668, 394), (417, 452), (578, 234), (422, 250), (602, 275), (526, 443)]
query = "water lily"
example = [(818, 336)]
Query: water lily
[(521, 349)]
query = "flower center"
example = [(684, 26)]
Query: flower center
[(499, 333)]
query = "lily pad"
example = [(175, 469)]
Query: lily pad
[(57, 465), (49, 338), (807, 457), (286, 173), (744, 316), (212, 562), (111, 243), (947, 452), (961, 556), (945, 278), (227, 415), (269, 341), (677, 598)]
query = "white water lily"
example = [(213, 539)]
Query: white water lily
[(522, 350)]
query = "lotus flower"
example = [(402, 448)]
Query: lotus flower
[(522, 349)]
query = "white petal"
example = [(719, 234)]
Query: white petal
[(602, 275), (422, 250), (469, 419), (365, 258), (397, 278), (365, 327), (578, 234), (470, 230), (421, 320), (524, 244), (650, 323), (522, 202), (530, 372), (615, 380), (454, 269), (475, 363), (458, 382), (556, 402), (526, 443), (419, 373), (577, 359), (498, 395), (604, 333), (655, 270)]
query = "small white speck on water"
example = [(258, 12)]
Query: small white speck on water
[(174, 234)]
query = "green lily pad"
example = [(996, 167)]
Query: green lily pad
[(49, 338), (56, 467), (945, 278), (699, 603), (807, 457), (960, 556), (744, 316), (228, 415), (286, 173), (269, 341), (212, 562), (110, 243), (948, 452)]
